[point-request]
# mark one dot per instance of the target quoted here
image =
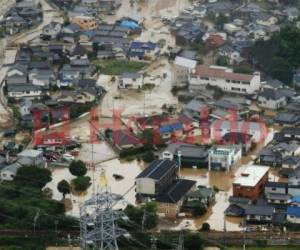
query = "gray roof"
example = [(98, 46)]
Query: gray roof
[(30, 153), (12, 167), (131, 75), (187, 150), (22, 87), (195, 105), (271, 94), (275, 196), (259, 210)]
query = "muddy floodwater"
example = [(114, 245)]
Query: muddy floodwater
[(129, 170)]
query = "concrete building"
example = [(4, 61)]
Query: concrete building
[(183, 68), (225, 79), (251, 183), (224, 157)]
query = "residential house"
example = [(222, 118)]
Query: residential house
[(294, 183), (183, 68), (124, 139), (143, 51), (172, 199), (156, 178), (18, 91), (196, 109), (276, 193), (36, 156), (42, 77), (271, 99), (259, 214), (187, 154), (266, 19), (225, 79), (293, 214), (241, 139), (51, 31), (220, 128), (291, 162), (233, 56), (25, 158), (287, 118), (131, 81), (290, 133), (224, 157), (250, 184), (24, 106)]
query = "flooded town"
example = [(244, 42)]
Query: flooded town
[(150, 124)]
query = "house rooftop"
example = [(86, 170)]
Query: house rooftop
[(185, 62), (30, 153), (259, 210), (157, 169), (176, 191), (293, 211), (273, 184), (251, 175)]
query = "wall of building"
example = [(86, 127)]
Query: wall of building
[(250, 192), (145, 186)]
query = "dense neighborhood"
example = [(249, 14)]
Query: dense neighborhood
[(189, 111)]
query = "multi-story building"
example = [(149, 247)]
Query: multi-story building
[(183, 68), (251, 183), (224, 157), (225, 79)]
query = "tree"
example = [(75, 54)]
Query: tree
[(33, 176), (63, 187), (193, 241), (148, 156), (77, 168), (136, 214), (82, 183), (222, 61), (205, 227)]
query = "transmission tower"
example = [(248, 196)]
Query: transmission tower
[(180, 245), (98, 227)]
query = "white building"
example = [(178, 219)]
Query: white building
[(225, 79), (131, 81), (183, 68), (224, 157)]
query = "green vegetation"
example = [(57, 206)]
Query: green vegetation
[(244, 69), (31, 176), (78, 168), (20, 204), (148, 156), (205, 227), (82, 183), (146, 212), (279, 56), (63, 187), (115, 67), (222, 61), (77, 110)]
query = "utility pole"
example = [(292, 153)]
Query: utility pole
[(179, 163), (37, 215)]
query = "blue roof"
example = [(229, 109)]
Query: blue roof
[(129, 24), (296, 199), (293, 211), (143, 45), (136, 53), (171, 127)]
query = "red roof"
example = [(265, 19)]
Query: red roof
[(206, 71)]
